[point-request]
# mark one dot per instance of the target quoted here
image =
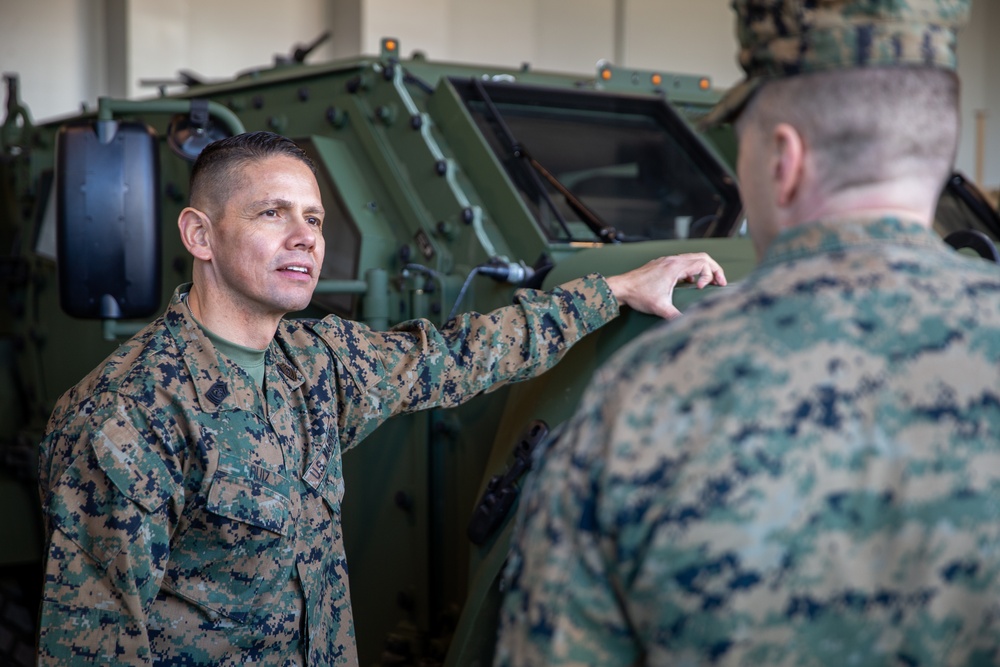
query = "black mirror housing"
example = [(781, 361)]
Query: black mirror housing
[(108, 219)]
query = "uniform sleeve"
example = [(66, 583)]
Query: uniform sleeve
[(416, 366), (107, 500)]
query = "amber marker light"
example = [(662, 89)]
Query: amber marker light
[(657, 79), (390, 45), (605, 74), (703, 84)]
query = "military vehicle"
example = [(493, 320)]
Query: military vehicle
[(447, 186)]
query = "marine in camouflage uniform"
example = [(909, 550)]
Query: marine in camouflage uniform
[(802, 471), (188, 512), (193, 509)]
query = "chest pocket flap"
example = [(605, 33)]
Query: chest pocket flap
[(249, 502)]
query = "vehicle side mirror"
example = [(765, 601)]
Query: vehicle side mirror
[(108, 219)]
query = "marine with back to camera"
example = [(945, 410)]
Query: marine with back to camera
[(804, 470)]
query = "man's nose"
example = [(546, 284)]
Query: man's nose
[(305, 233)]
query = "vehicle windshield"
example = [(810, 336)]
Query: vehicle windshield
[(629, 160)]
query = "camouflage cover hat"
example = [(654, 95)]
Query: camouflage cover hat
[(780, 38)]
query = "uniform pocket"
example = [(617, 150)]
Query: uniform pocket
[(234, 548), (248, 502), (140, 475), (102, 499)]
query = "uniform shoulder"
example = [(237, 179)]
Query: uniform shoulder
[(302, 330), (704, 324), (357, 349), (143, 360), (976, 269)]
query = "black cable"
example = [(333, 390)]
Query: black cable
[(461, 292)]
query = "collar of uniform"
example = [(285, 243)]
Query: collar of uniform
[(280, 375), (218, 386), (841, 233)]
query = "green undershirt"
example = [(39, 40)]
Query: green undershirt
[(249, 359)]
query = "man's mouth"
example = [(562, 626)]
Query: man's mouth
[(297, 268)]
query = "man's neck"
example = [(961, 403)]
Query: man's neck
[(900, 199), (232, 323), (908, 200)]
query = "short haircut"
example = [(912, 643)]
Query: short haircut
[(867, 125), (217, 171)]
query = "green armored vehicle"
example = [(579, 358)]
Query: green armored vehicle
[(446, 187)]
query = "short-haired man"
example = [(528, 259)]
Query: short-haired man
[(805, 469), (192, 483)]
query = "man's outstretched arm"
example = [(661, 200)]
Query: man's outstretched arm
[(416, 366)]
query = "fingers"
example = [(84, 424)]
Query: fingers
[(711, 276), (701, 269), (669, 312), (718, 275), (649, 289)]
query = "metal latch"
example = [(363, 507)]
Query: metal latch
[(501, 491)]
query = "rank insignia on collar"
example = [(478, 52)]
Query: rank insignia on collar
[(287, 370), (217, 392)]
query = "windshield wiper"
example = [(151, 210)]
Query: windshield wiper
[(605, 232)]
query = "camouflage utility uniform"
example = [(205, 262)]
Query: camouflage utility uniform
[(803, 471), (192, 521)]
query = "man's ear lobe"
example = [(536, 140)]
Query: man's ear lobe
[(789, 160), (194, 227)]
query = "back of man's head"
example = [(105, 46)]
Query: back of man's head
[(217, 171), (869, 84), (867, 125)]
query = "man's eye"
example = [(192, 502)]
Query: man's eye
[(318, 222), (270, 213)]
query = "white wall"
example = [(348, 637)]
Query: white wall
[(685, 36), (561, 35), (421, 25), (979, 62), (64, 49), (56, 48), (218, 39)]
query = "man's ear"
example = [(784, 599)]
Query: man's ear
[(194, 226), (789, 160)]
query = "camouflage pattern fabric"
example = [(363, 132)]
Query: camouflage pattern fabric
[(190, 520), (780, 38), (804, 470)]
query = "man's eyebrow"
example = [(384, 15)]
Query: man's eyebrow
[(271, 203)]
